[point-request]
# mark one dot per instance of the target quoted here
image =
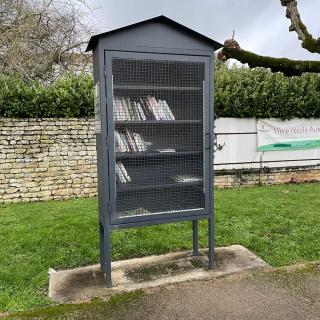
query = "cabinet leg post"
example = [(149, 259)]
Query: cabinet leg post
[(105, 253), (195, 238), (107, 243), (102, 248), (211, 243)]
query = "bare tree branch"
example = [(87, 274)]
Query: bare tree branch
[(42, 38), (308, 41), (232, 50)]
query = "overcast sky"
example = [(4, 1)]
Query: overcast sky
[(260, 25)]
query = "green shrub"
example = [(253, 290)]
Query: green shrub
[(70, 96), (258, 93), (239, 92)]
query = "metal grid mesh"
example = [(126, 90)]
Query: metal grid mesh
[(158, 111)]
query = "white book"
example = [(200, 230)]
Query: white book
[(126, 115), (138, 141), (171, 115), (120, 143), (153, 108), (115, 109), (129, 109), (131, 141), (120, 174), (162, 110), (119, 109), (161, 114), (125, 172), (140, 111), (125, 142), (122, 114), (141, 142), (136, 109)]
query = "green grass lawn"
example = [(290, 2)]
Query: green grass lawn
[(279, 223)]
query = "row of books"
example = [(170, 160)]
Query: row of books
[(122, 175), (149, 108), (129, 141)]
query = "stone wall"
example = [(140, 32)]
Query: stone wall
[(46, 159), (266, 176), (56, 159)]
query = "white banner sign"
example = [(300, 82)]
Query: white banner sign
[(296, 134)]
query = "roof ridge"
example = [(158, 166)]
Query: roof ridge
[(161, 18)]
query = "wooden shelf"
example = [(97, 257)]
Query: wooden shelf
[(124, 187), (135, 87), (135, 122), (122, 155)]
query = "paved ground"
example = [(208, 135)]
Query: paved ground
[(285, 293), (142, 273)]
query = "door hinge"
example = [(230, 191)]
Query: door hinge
[(109, 206), (105, 72)]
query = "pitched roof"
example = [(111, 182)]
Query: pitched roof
[(163, 19)]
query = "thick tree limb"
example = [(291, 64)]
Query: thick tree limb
[(232, 50), (308, 41)]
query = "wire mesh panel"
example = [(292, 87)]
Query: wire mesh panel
[(158, 113)]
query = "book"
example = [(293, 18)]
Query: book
[(139, 142), (122, 175), (140, 110), (136, 212), (124, 171), (165, 150), (186, 178), (130, 139), (120, 178)]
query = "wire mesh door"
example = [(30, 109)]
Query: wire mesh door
[(158, 111)]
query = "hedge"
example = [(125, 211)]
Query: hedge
[(258, 93), (239, 92), (70, 96)]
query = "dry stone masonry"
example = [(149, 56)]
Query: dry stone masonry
[(43, 159)]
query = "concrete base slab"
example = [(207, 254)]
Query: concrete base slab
[(88, 282)]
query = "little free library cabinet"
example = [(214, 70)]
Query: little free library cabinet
[(154, 128)]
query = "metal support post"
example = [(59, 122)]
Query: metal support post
[(195, 237)]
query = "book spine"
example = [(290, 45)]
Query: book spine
[(132, 145), (125, 143), (140, 112), (120, 174), (136, 109), (137, 141), (154, 108), (146, 109), (162, 113), (125, 110), (125, 172), (171, 115), (163, 110)]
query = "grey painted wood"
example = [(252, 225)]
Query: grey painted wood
[(147, 33), (152, 40)]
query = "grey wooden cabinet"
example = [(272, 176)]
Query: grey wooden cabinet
[(154, 127)]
